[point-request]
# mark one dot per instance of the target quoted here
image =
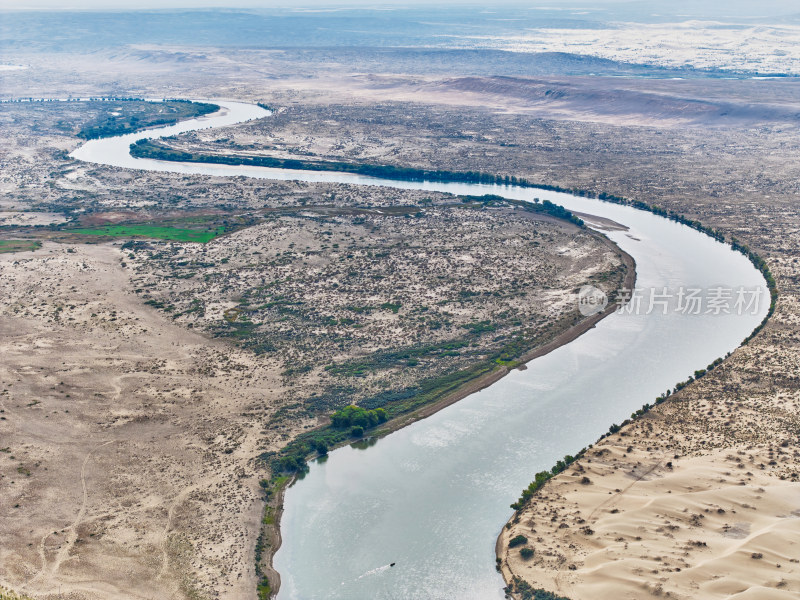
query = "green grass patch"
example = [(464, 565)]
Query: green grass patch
[(153, 231), (269, 516), (18, 245)]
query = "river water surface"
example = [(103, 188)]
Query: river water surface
[(432, 497)]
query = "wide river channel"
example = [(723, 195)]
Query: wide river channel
[(432, 497)]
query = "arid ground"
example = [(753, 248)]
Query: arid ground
[(132, 419)]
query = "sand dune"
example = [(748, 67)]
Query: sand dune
[(716, 525)]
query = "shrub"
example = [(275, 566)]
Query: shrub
[(542, 477), (526, 553), (525, 591), (264, 590), (517, 541), (357, 431), (357, 416)]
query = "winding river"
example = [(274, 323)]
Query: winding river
[(433, 496)]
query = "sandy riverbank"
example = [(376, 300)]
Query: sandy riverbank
[(697, 499)]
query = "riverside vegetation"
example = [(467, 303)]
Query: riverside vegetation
[(135, 114)]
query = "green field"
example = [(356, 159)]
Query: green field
[(154, 231), (18, 245)]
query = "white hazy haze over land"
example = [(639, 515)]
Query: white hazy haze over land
[(728, 35), (732, 35), (697, 44)]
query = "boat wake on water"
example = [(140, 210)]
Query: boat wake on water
[(375, 571)]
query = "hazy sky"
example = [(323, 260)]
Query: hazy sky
[(676, 7), (118, 4)]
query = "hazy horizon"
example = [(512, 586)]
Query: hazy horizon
[(679, 8), (329, 4)]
